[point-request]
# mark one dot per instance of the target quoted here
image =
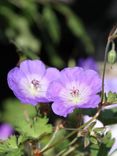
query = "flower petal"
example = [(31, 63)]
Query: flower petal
[(13, 78), (32, 67), (70, 74), (54, 89), (92, 103), (59, 109), (52, 74), (94, 80)]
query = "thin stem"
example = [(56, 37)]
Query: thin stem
[(104, 68), (112, 36), (61, 152), (113, 45), (37, 110), (72, 133), (51, 140), (71, 149)]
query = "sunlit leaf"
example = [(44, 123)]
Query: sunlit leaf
[(34, 128), (112, 97), (14, 111), (9, 147)]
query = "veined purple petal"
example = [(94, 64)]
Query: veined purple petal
[(92, 103), (52, 74), (69, 74), (94, 80), (33, 66), (59, 109), (54, 90)]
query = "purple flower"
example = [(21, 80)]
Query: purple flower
[(110, 85), (76, 88), (88, 63), (30, 81), (5, 131)]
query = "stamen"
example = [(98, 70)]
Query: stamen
[(74, 92), (35, 83)]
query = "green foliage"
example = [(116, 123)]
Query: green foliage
[(15, 112), (23, 118), (106, 144), (51, 24), (21, 139), (10, 147), (34, 128), (19, 32), (112, 98)]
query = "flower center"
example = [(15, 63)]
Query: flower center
[(35, 87), (36, 83), (74, 92)]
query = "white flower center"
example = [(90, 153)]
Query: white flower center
[(33, 86), (36, 84), (75, 93)]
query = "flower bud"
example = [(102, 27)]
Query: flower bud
[(112, 56)]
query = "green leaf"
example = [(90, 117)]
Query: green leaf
[(51, 23), (94, 148), (22, 117), (99, 130), (93, 140), (9, 147), (86, 141), (12, 142), (21, 139), (20, 31), (34, 128), (16, 152), (106, 144), (14, 112), (112, 97)]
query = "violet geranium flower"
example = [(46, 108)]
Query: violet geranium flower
[(88, 63), (110, 85), (30, 81), (5, 131), (76, 88)]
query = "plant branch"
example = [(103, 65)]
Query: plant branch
[(104, 68), (111, 37), (73, 132)]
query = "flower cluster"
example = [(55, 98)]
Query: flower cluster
[(68, 89)]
